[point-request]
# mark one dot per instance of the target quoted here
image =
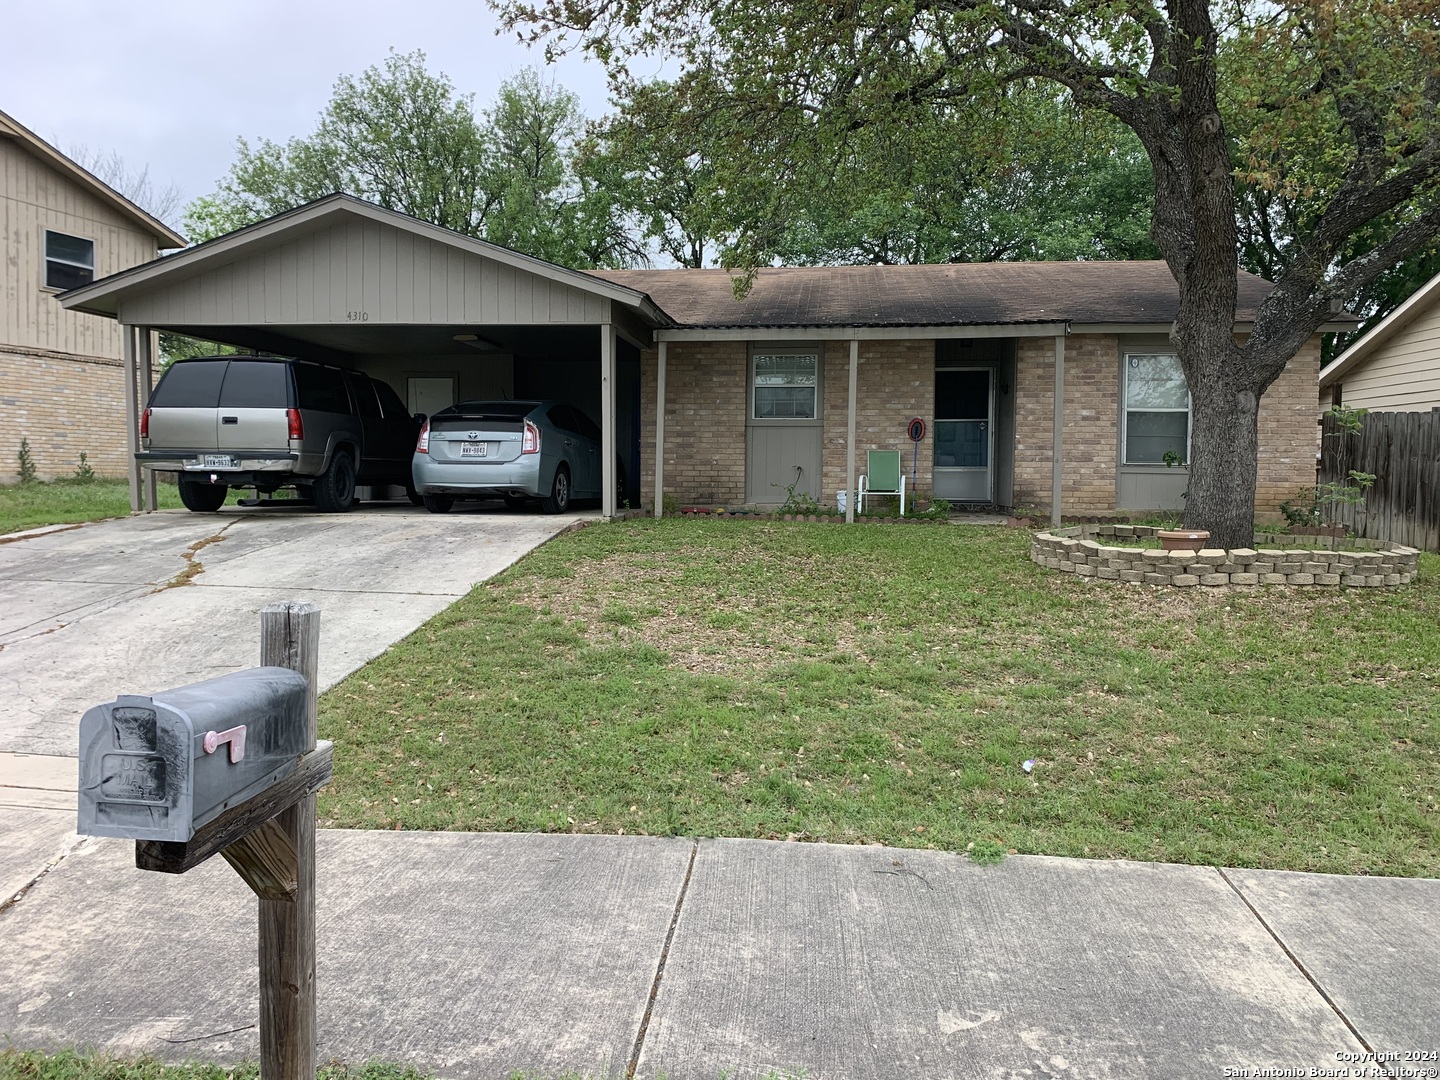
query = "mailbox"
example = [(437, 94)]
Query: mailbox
[(159, 767)]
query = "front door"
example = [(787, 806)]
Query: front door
[(783, 433), (964, 434)]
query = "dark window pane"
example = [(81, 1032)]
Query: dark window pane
[(190, 384), (363, 391), (390, 401), (71, 249), (584, 425), (255, 384), (962, 395), (64, 276), (1148, 435), (962, 443), (784, 403), (321, 388)]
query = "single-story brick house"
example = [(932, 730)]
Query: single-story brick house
[(706, 399)]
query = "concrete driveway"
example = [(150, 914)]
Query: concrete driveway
[(142, 604)]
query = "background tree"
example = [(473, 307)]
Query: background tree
[(135, 184), (1335, 105)]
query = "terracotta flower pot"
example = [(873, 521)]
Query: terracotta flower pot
[(1183, 539)]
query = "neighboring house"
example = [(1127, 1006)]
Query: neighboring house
[(1395, 367), (61, 374), (745, 400)]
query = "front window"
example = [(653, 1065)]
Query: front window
[(785, 386), (69, 261), (1157, 410)]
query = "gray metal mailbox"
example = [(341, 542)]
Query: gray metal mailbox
[(159, 767)]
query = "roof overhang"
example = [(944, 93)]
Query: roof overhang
[(1382, 332), (165, 236), (106, 296)]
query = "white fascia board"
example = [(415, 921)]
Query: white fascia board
[(1380, 333), (861, 333)]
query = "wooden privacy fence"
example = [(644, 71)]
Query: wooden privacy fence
[(1402, 450)]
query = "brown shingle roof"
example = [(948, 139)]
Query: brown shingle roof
[(955, 294)]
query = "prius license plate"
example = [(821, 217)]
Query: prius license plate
[(220, 461), (473, 449)]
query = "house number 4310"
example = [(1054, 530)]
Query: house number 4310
[(357, 316)]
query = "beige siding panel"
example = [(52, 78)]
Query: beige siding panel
[(370, 302), (404, 277), (1404, 376), (33, 198), (305, 283), (385, 280)]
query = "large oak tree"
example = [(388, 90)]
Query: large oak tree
[(1328, 107)]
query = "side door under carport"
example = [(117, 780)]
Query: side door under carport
[(784, 426)]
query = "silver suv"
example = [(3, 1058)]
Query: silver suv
[(268, 423)]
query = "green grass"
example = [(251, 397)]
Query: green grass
[(59, 502), (69, 1065), (816, 682)]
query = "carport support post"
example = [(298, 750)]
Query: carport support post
[(850, 433), (1057, 452), (607, 419), (147, 384), (132, 413), (290, 637), (660, 430)]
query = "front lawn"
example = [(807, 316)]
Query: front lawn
[(885, 684), (59, 502)]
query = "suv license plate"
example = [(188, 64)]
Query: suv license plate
[(472, 449), (220, 461)]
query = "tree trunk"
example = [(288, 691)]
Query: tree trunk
[(1224, 447)]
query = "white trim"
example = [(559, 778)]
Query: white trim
[(1380, 333)]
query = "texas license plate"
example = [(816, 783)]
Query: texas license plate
[(220, 461), (472, 449)]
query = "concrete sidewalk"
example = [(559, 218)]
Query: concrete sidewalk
[(473, 955)]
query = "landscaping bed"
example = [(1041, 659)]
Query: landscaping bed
[(788, 680)]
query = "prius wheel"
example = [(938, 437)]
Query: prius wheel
[(516, 502), (438, 504), (559, 498)]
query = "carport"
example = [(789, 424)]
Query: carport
[(440, 316)]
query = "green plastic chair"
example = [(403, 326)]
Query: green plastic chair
[(882, 477)]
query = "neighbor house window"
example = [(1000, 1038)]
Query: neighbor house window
[(1157, 409), (785, 386), (69, 261)]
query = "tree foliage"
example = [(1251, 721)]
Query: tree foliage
[(1328, 108), (402, 137)]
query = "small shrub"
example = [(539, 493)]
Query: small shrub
[(28, 475), (83, 472)]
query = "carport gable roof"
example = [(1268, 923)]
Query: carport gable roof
[(943, 295), (109, 295)]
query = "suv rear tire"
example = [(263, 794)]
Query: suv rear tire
[(335, 488), (202, 498)]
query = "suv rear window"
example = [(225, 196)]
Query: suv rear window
[(321, 388), (255, 384), (190, 384)]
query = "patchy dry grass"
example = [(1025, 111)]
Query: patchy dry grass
[(884, 684)]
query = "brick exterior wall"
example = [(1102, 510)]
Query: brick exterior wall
[(62, 405), (706, 385)]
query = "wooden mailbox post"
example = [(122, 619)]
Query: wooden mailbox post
[(270, 841)]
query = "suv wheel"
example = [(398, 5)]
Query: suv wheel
[(438, 504), (202, 498), (335, 488), (559, 497)]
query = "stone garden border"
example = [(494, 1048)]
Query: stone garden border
[(1075, 551)]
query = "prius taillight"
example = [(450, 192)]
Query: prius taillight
[(422, 445), (530, 442)]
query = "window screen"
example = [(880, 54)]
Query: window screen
[(69, 261), (785, 386), (255, 384), (321, 388), (1157, 409), (190, 384)]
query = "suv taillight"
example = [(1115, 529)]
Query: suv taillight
[(297, 427), (145, 424), (530, 443), (422, 445)]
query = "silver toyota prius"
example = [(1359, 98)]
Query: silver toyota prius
[(515, 450)]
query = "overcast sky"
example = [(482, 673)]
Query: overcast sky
[(172, 83)]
